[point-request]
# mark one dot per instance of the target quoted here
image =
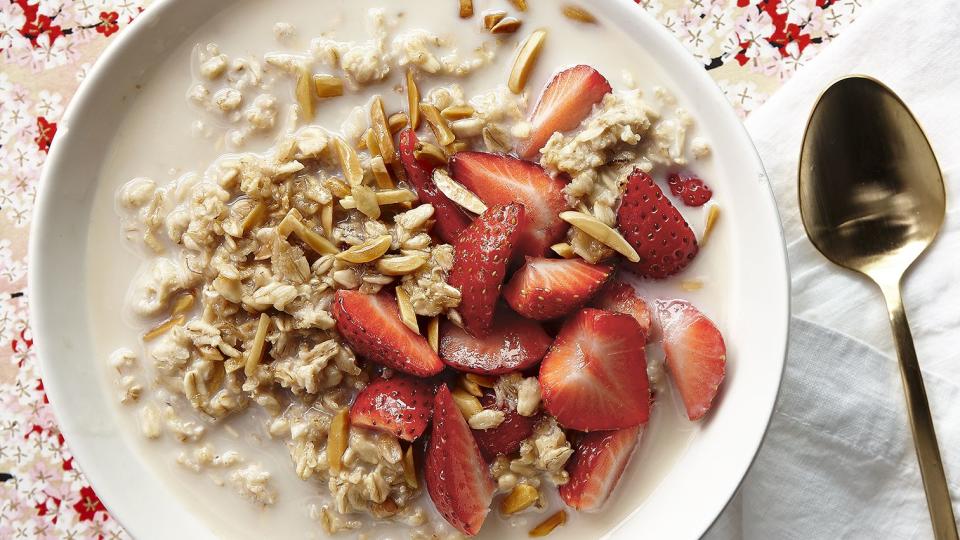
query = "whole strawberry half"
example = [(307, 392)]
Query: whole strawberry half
[(371, 324), (504, 439), (655, 228), (691, 190), (696, 356), (595, 375), (549, 288), (620, 297), (596, 466), (451, 220), (458, 480), (499, 179), (566, 100), (481, 255), (400, 405), (513, 344)]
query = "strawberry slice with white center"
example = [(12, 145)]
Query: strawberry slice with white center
[(481, 255), (513, 344), (595, 375), (400, 405), (566, 100), (499, 179), (545, 289), (458, 479), (371, 324), (506, 438), (620, 297), (696, 356), (596, 467)]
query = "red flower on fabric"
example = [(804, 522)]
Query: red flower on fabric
[(35, 24), (89, 504), (45, 132), (108, 23)]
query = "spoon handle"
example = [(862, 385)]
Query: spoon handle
[(924, 436)]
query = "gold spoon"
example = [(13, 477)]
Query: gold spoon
[(872, 200)]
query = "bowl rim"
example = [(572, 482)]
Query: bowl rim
[(623, 13)]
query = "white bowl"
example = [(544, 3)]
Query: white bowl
[(687, 500)]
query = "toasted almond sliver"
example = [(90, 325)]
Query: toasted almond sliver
[(491, 18), (471, 387), (397, 122), (519, 4), (563, 249), (455, 147), (508, 25), (437, 123), (413, 100), (410, 468), (182, 304), (381, 174), (327, 86), (384, 198), (289, 223), (712, 216), (407, 315), (256, 350), (548, 525), (316, 241), (467, 127), (429, 152), (326, 219), (469, 405), (457, 112), (371, 250), (466, 9), (369, 142), (366, 201), (457, 192), (337, 186), (378, 121), (163, 327), (526, 58), (304, 94), (433, 333), (400, 265), (691, 285), (337, 440), (482, 380), (577, 13), (349, 162), (519, 499), (601, 232), (254, 218)]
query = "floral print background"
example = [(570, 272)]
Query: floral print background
[(47, 47)]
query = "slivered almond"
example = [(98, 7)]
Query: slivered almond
[(369, 143), (466, 9), (400, 265), (370, 250), (378, 121), (526, 59), (712, 216), (349, 162), (469, 405), (467, 127), (563, 249), (337, 186), (327, 86), (366, 201), (429, 152), (397, 122), (410, 469), (577, 13), (433, 333), (691, 285), (182, 304), (316, 242), (337, 440), (471, 387), (407, 315), (454, 147), (457, 193), (457, 112), (519, 4), (548, 525), (491, 18), (252, 359), (520, 498), (326, 219), (601, 232), (289, 223), (413, 101), (304, 93), (381, 174), (254, 218), (482, 380), (437, 123), (508, 25), (384, 198), (163, 327)]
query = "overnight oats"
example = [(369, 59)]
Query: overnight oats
[(423, 282)]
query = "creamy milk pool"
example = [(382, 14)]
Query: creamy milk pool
[(165, 137)]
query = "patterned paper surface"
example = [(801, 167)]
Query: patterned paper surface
[(46, 48)]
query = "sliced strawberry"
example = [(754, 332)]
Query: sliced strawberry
[(691, 190), (549, 288), (620, 297), (566, 100), (595, 375), (451, 220), (596, 466), (513, 344), (499, 180), (696, 356), (504, 439), (481, 255), (400, 405), (655, 228), (371, 324), (458, 480)]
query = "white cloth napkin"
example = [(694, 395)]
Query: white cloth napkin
[(838, 461)]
